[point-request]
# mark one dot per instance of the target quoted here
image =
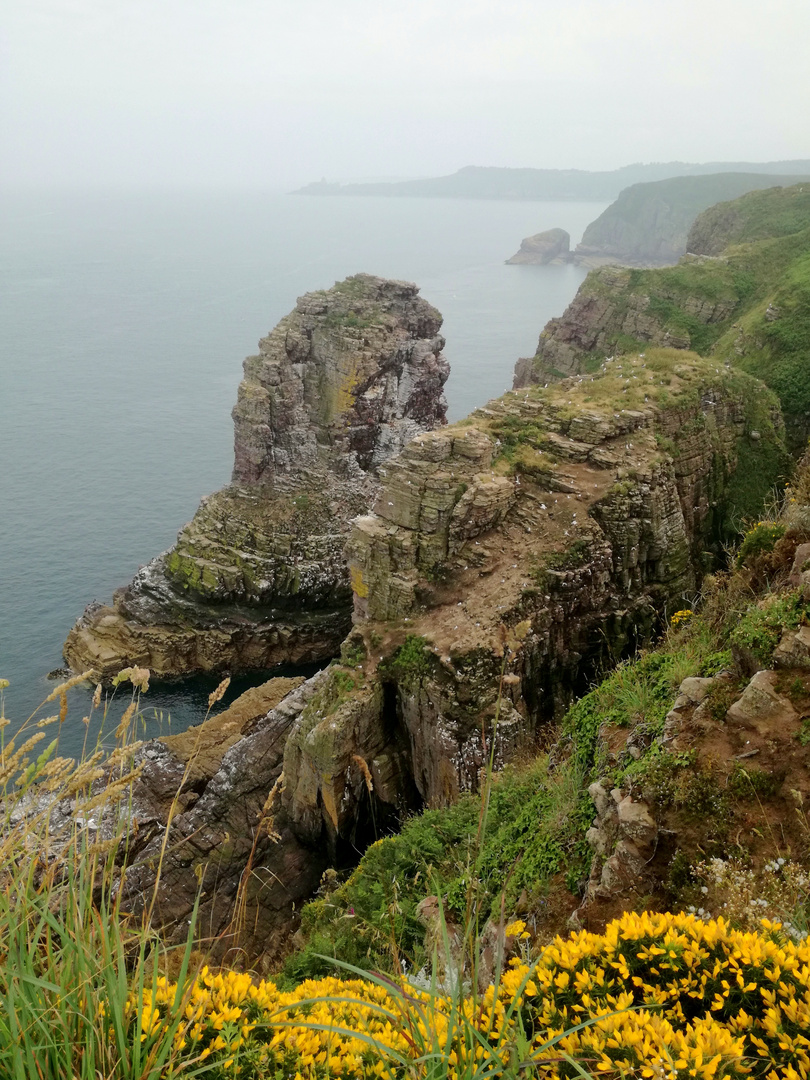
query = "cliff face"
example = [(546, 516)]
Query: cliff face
[(506, 560), (617, 308), (258, 577), (542, 537), (648, 224), (673, 784), (742, 296)]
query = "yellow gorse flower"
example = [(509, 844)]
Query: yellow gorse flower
[(681, 616), (664, 996)]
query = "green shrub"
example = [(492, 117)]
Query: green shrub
[(761, 538), (411, 662), (762, 625)]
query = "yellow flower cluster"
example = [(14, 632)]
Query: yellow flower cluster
[(681, 617), (656, 996), (716, 1001)]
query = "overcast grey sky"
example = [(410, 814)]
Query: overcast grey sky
[(279, 92)]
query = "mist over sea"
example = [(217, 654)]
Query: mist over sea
[(125, 319)]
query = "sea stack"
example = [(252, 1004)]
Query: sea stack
[(543, 248), (258, 577)]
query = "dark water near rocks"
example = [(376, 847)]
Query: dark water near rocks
[(124, 319)]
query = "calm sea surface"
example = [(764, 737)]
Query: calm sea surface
[(124, 320)]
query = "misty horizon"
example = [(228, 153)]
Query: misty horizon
[(270, 94)]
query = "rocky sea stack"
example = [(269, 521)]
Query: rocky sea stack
[(552, 246), (258, 577)]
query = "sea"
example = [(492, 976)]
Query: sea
[(124, 320)]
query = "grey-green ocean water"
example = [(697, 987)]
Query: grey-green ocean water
[(124, 320)]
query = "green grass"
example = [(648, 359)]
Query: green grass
[(71, 961), (534, 830), (762, 284)]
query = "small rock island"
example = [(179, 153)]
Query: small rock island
[(551, 246)]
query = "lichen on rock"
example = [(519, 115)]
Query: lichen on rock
[(582, 512), (258, 577)]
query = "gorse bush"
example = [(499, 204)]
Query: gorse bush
[(654, 996), (761, 537)]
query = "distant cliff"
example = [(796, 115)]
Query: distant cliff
[(742, 295), (649, 223), (476, 182), (258, 577)]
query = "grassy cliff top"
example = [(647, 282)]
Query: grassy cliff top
[(757, 215), (749, 305), (649, 222), (646, 380)]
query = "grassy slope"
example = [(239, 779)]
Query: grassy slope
[(764, 274), (532, 854), (650, 222)]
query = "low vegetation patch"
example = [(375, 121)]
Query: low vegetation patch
[(655, 995), (534, 831)]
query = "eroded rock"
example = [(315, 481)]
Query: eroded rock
[(553, 245), (258, 577), (583, 556), (761, 707)]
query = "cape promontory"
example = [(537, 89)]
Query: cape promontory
[(741, 294), (648, 225), (258, 577)]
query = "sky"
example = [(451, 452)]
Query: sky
[(274, 93)]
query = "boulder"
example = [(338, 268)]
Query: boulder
[(762, 707)]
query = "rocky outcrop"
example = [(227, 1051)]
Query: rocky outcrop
[(739, 295), (551, 246), (732, 756), (612, 307), (507, 557), (258, 577)]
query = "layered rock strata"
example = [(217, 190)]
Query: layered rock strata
[(506, 559), (258, 577), (610, 309), (203, 824)]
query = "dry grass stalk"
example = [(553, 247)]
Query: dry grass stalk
[(219, 693), (129, 712), (266, 812), (362, 765), (58, 691)]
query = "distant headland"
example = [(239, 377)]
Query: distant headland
[(480, 182)]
